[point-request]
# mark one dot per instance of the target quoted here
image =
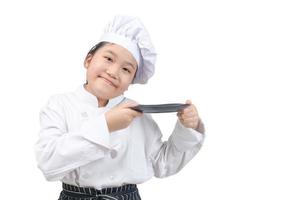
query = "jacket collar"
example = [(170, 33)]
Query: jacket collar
[(92, 100)]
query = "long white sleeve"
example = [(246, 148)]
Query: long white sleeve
[(59, 151), (171, 156), (75, 146)]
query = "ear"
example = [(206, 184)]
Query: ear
[(87, 60)]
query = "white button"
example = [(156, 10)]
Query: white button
[(84, 114), (113, 154)]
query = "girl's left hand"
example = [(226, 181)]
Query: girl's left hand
[(189, 116)]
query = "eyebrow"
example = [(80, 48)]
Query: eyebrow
[(114, 54)]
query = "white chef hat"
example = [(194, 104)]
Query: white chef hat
[(130, 33)]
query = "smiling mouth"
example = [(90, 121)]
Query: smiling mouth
[(108, 81)]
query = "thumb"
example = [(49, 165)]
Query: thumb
[(188, 102), (128, 104)]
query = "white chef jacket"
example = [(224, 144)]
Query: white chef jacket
[(76, 147)]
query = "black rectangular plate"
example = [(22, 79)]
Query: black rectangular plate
[(160, 108)]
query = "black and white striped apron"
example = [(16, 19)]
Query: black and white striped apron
[(126, 192)]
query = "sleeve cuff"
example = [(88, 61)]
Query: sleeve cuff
[(185, 138), (96, 131)]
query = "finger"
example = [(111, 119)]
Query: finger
[(190, 119), (135, 113), (188, 102), (195, 110), (191, 124), (191, 109), (128, 104), (179, 114), (189, 113)]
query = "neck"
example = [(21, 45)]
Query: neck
[(102, 102)]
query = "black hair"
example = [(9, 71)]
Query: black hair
[(96, 47)]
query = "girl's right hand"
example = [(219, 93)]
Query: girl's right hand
[(121, 116)]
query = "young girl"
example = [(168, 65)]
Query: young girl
[(94, 142)]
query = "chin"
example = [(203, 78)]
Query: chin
[(104, 93)]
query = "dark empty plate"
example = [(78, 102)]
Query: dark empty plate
[(160, 108)]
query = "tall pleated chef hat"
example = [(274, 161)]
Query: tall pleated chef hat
[(130, 33)]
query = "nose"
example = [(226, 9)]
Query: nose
[(112, 71)]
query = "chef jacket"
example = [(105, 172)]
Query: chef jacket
[(76, 147)]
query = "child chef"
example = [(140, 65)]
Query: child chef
[(94, 142)]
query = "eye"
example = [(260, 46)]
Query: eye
[(108, 58), (126, 69)]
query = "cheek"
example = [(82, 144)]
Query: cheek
[(126, 81), (126, 78), (123, 88), (93, 70)]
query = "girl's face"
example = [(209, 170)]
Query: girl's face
[(109, 72)]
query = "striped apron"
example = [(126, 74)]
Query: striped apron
[(125, 192)]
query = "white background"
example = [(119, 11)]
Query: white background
[(228, 57)]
